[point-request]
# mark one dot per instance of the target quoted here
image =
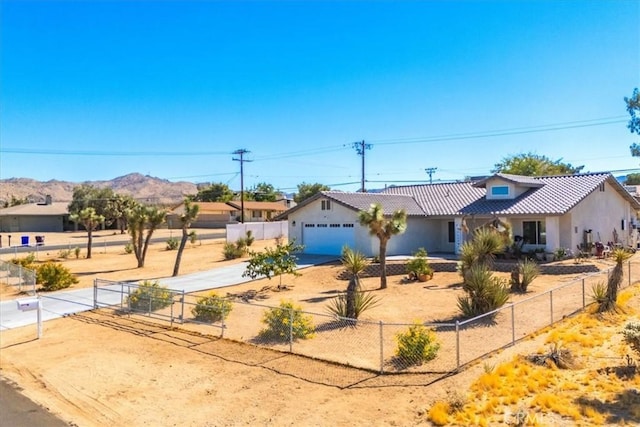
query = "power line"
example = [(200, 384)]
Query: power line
[(109, 153)]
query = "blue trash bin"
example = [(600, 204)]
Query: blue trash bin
[(25, 240)]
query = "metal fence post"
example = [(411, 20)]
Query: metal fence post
[(291, 330), (513, 324), (381, 347), (629, 273), (121, 296), (224, 314), (584, 296), (551, 305), (171, 313), (457, 345), (182, 309), (95, 293)]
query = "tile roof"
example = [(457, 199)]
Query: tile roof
[(389, 203), (525, 181), (554, 195), (548, 195), (442, 198), (263, 206), (557, 196)]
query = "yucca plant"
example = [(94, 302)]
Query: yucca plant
[(523, 275), (485, 293), (482, 249), (615, 278), (354, 301)]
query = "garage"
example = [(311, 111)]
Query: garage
[(327, 239)]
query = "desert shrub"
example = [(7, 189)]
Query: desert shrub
[(128, 248), (523, 275), (599, 292), (54, 276), (64, 253), (76, 252), (557, 355), (419, 265), (211, 308), (363, 301), (172, 244), (485, 293), (26, 262), (233, 251), (150, 296), (631, 334), (416, 345), (439, 413), (560, 254), (287, 322)]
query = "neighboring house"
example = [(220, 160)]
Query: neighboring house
[(219, 214), (547, 212), (259, 211), (210, 215), (35, 217)]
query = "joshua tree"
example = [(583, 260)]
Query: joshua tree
[(90, 220), (141, 218), (188, 216), (384, 229)]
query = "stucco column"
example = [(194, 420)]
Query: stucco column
[(552, 226), (459, 235)]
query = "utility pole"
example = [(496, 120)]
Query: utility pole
[(361, 147), (430, 172), (241, 152)]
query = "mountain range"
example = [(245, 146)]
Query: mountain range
[(141, 187)]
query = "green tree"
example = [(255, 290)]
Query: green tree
[(633, 108), (384, 229), (264, 192), (273, 262), (216, 192), (632, 179), (15, 201), (189, 215), (530, 164), (307, 190), (90, 220), (119, 208), (141, 218)]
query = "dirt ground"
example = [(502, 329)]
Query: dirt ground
[(98, 369)]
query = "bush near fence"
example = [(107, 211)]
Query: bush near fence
[(372, 345)]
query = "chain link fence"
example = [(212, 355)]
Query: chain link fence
[(375, 346), (16, 275)]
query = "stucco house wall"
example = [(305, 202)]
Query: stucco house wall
[(602, 212)]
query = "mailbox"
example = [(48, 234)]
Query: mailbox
[(27, 304)]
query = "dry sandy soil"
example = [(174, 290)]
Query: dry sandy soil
[(102, 369)]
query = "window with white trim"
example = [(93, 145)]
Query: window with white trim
[(500, 190), (534, 232)]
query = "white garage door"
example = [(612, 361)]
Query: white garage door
[(327, 239)]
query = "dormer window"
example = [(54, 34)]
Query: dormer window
[(500, 190), (325, 205)]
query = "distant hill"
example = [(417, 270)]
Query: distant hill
[(141, 187)]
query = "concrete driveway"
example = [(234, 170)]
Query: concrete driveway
[(59, 304)]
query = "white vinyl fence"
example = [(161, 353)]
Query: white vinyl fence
[(259, 230)]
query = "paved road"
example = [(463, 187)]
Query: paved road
[(18, 411), (62, 303), (97, 244)]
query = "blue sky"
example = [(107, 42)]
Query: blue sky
[(92, 90)]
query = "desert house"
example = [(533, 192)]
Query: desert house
[(545, 213), (35, 217), (219, 214)]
